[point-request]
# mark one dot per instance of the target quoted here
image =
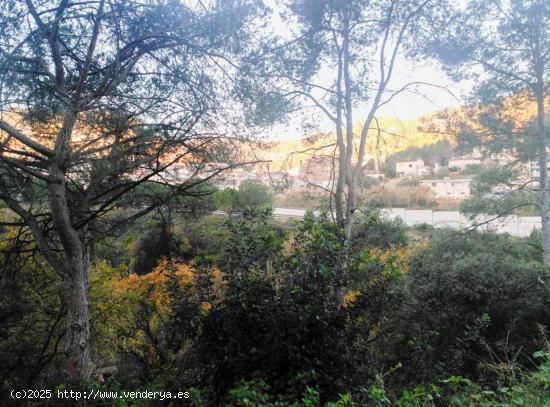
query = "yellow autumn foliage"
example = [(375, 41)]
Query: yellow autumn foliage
[(390, 263), (350, 297), (150, 288), (127, 309), (392, 258)]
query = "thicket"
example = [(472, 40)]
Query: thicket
[(255, 316)]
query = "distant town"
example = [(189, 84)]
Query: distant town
[(445, 180)]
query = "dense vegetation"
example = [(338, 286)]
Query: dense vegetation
[(123, 267), (245, 311)]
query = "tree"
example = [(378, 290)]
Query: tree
[(252, 195), (277, 321), (359, 41), (223, 199), (505, 45), (499, 191), (98, 98), (158, 242)]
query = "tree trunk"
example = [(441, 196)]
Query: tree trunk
[(77, 340), (351, 182), (75, 276), (345, 149), (544, 204), (339, 195), (76, 257)]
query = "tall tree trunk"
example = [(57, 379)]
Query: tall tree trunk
[(77, 342), (75, 274), (76, 257), (544, 204), (345, 150), (351, 203), (339, 195)]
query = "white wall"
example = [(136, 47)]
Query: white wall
[(520, 226)]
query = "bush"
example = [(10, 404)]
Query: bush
[(468, 300), (368, 182), (279, 319), (376, 232), (256, 394), (223, 199), (157, 242), (252, 195)]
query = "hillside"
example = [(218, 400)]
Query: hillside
[(399, 135), (395, 136)]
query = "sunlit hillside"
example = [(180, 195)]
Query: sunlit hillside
[(397, 135)]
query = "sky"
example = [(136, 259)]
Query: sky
[(445, 94)]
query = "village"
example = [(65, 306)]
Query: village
[(449, 179)]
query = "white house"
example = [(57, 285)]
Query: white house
[(463, 161), (411, 168), (455, 188)]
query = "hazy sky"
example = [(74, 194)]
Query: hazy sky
[(430, 98), (406, 106)]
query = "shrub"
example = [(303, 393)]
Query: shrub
[(252, 195), (468, 300)]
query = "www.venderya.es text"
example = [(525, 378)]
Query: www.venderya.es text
[(97, 394)]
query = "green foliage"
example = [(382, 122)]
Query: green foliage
[(256, 394), (250, 394), (263, 316), (282, 313), (466, 300), (525, 389), (367, 182), (317, 245), (389, 169), (528, 388), (279, 316), (224, 198), (375, 232), (252, 195), (108, 317), (31, 316), (152, 189), (196, 200), (254, 243), (207, 236), (157, 242), (494, 192)]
